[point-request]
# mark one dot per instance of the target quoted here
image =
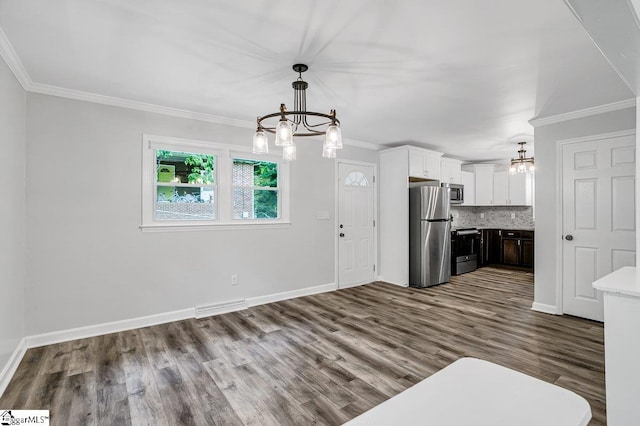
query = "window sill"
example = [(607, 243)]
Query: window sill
[(217, 227)]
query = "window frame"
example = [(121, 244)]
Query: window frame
[(278, 189), (223, 185)]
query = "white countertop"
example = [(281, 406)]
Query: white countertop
[(473, 392), (623, 281)]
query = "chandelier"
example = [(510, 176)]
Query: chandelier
[(297, 123), (522, 164)]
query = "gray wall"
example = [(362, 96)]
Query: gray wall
[(12, 213), (546, 137), (89, 263)]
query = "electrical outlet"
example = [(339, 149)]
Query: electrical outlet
[(513, 215), (481, 215), (234, 279)]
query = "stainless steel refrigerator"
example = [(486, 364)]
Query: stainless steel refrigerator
[(429, 236)]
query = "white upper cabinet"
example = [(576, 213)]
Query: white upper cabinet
[(520, 189), (512, 190), (501, 188), (483, 183), (483, 186), (424, 163), (469, 182), (451, 171)]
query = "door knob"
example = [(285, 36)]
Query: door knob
[(568, 237), (341, 226), (342, 234)]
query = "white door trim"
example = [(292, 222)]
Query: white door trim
[(337, 212), (559, 197)]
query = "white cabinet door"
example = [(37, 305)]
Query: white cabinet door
[(520, 189), (450, 171), (500, 188), (484, 185), (469, 182), (416, 164), (424, 164), (432, 166)]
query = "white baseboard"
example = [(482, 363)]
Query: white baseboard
[(11, 366), (381, 278), (547, 309), (106, 328), (356, 284), (197, 312), (220, 308), (286, 295)]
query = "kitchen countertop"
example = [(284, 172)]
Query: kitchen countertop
[(473, 391), (623, 281), (506, 228)]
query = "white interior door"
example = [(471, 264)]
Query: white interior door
[(598, 227), (355, 224)]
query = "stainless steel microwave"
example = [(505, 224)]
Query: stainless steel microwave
[(456, 193)]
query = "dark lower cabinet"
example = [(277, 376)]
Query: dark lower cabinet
[(527, 253), (517, 248), (506, 247), (511, 252), (490, 247)]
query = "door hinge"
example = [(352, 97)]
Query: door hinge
[(374, 223), (374, 268), (374, 178)]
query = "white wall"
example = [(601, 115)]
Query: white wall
[(89, 263), (546, 238), (12, 212)]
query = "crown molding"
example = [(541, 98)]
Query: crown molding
[(13, 62), (581, 113), (160, 109), (361, 144), (136, 105)]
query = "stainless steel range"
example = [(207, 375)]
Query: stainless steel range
[(465, 249)]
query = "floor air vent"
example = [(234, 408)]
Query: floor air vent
[(220, 308)]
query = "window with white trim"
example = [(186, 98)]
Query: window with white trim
[(193, 184), (255, 189), (185, 186)]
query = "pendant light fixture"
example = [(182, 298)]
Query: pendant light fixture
[(522, 164), (298, 122)]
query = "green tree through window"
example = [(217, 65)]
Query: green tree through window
[(256, 189), (266, 202)]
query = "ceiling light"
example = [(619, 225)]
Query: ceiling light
[(522, 164), (296, 123)]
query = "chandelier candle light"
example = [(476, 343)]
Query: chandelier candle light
[(522, 164), (295, 123)]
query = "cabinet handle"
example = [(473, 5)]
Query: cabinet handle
[(518, 242)]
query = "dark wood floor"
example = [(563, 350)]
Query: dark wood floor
[(318, 359)]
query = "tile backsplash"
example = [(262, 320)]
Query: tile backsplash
[(494, 216)]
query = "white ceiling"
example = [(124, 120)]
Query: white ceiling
[(463, 77)]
